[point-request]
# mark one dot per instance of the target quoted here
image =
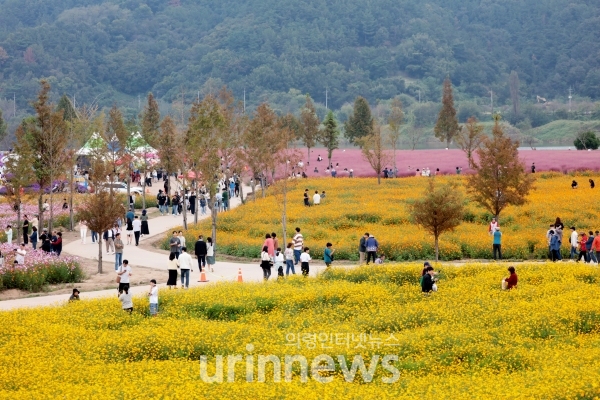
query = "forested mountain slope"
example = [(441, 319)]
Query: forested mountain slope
[(352, 47)]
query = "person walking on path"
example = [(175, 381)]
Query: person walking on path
[(582, 248), (279, 261), (118, 251), (289, 259), (512, 280), (25, 229), (591, 255), (174, 244), (304, 262), (298, 245), (202, 205), (200, 252), (34, 237), (210, 254), (193, 200), (275, 240), (372, 247), (162, 201), (137, 229), (269, 244), (124, 273), (172, 267), (362, 248), (185, 265), (554, 246), (57, 244), (109, 238), (573, 241), (126, 301), (328, 254), (181, 241), (497, 244), (83, 231), (144, 219), (153, 298), (266, 262)]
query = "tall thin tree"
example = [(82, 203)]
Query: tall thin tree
[(309, 125), (330, 135), (446, 126), (395, 120)]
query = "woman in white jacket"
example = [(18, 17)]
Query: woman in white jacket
[(279, 261), (266, 263)]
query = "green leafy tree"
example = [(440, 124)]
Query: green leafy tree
[(360, 122), (446, 127), (309, 125), (439, 209), (500, 178), (168, 144), (330, 135), (68, 109), (587, 141)]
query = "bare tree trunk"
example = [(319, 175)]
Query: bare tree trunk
[(213, 215), (100, 252), (50, 218), (437, 249), (71, 216), (40, 210), (129, 186), (378, 178), (19, 229), (284, 214), (308, 157), (184, 209), (242, 201), (144, 182)]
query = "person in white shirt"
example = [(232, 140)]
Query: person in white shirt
[(124, 273), (20, 257), (316, 198), (279, 261), (266, 263), (304, 260), (83, 230), (210, 254), (574, 242), (126, 302), (181, 240), (137, 229), (153, 295), (185, 265), (8, 233)]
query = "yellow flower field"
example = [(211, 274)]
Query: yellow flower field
[(355, 206), (468, 340)]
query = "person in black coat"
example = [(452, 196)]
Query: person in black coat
[(428, 280), (200, 250)]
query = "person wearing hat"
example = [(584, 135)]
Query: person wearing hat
[(497, 244), (573, 241), (75, 295)]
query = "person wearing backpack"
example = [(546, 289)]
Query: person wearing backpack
[(372, 247)]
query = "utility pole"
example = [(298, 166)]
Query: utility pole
[(14, 104), (570, 97), (326, 99), (139, 103), (492, 101), (198, 97), (244, 101)]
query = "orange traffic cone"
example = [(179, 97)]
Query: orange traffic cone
[(203, 277), (240, 275)]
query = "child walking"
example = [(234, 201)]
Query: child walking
[(153, 295), (304, 260)]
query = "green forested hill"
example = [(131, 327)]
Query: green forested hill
[(376, 48)]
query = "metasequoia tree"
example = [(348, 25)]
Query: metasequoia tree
[(46, 135), (18, 174), (263, 130), (150, 127), (469, 138), (201, 142), (330, 135), (309, 125), (440, 209), (513, 83), (500, 179), (395, 120), (168, 144), (101, 208), (360, 122), (374, 151), (114, 132), (446, 126)]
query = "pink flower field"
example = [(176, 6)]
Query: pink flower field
[(448, 160)]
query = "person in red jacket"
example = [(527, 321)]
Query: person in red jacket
[(582, 248), (512, 280)]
